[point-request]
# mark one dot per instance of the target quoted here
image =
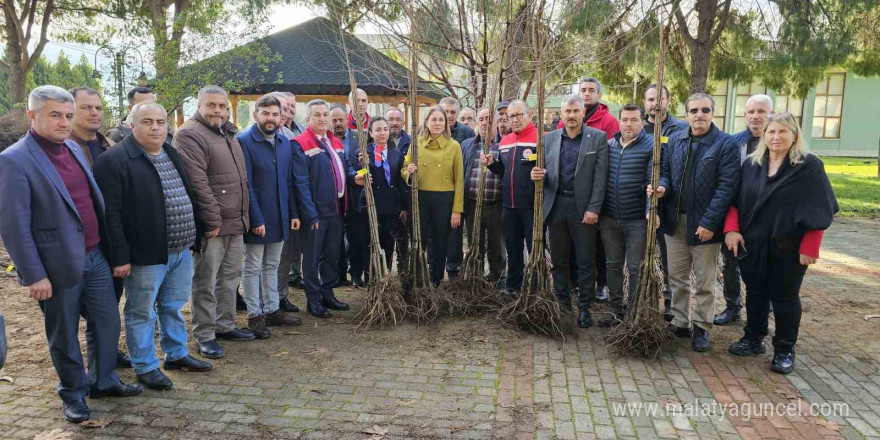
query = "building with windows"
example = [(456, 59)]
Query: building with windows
[(840, 116)]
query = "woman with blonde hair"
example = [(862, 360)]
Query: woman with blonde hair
[(775, 227), (441, 186)]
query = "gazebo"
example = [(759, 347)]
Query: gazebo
[(308, 61)]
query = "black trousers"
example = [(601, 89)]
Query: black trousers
[(730, 273), (601, 268), (564, 226), (388, 231), (779, 283), (357, 230), (490, 239), (320, 248), (435, 211), (516, 227), (454, 249), (664, 264), (342, 264)]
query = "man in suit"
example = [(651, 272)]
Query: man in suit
[(357, 232), (576, 161), (52, 224), (322, 213)]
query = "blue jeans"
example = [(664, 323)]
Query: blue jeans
[(161, 289), (92, 297)]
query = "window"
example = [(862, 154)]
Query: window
[(720, 97), (790, 104), (828, 107), (743, 92)]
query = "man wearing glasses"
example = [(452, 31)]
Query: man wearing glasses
[(699, 178), (514, 164)]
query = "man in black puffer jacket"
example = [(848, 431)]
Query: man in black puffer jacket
[(623, 226)]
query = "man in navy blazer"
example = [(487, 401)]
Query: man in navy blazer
[(52, 224)]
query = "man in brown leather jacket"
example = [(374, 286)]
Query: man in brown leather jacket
[(215, 164)]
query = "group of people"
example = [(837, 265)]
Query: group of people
[(206, 211)]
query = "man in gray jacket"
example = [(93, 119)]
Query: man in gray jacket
[(218, 175), (576, 161)]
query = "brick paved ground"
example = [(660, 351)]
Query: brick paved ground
[(471, 379)]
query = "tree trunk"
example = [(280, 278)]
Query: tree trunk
[(700, 56), (516, 35), (16, 71)]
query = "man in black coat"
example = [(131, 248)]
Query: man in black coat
[(700, 176), (152, 226)]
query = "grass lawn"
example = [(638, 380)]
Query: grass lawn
[(855, 184)]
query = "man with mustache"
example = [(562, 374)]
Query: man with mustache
[(216, 168), (154, 233), (654, 102), (88, 115), (700, 175)]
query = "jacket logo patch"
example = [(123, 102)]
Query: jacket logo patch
[(526, 154), (313, 152)]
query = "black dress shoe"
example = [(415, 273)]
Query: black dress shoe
[(357, 282), (76, 411), (748, 347), (120, 390), (453, 275), (679, 332), (334, 304), (297, 283), (318, 310), (783, 362), (286, 306), (122, 360), (155, 380), (210, 349), (727, 316), (585, 320), (188, 363), (602, 294), (236, 335), (701, 340)]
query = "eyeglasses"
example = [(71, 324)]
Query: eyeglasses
[(515, 115), (705, 110)]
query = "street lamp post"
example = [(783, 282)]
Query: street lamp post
[(119, 72)]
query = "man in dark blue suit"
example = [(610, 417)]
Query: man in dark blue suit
[(52, 224)]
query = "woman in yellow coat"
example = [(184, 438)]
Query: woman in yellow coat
[(441, 186)]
